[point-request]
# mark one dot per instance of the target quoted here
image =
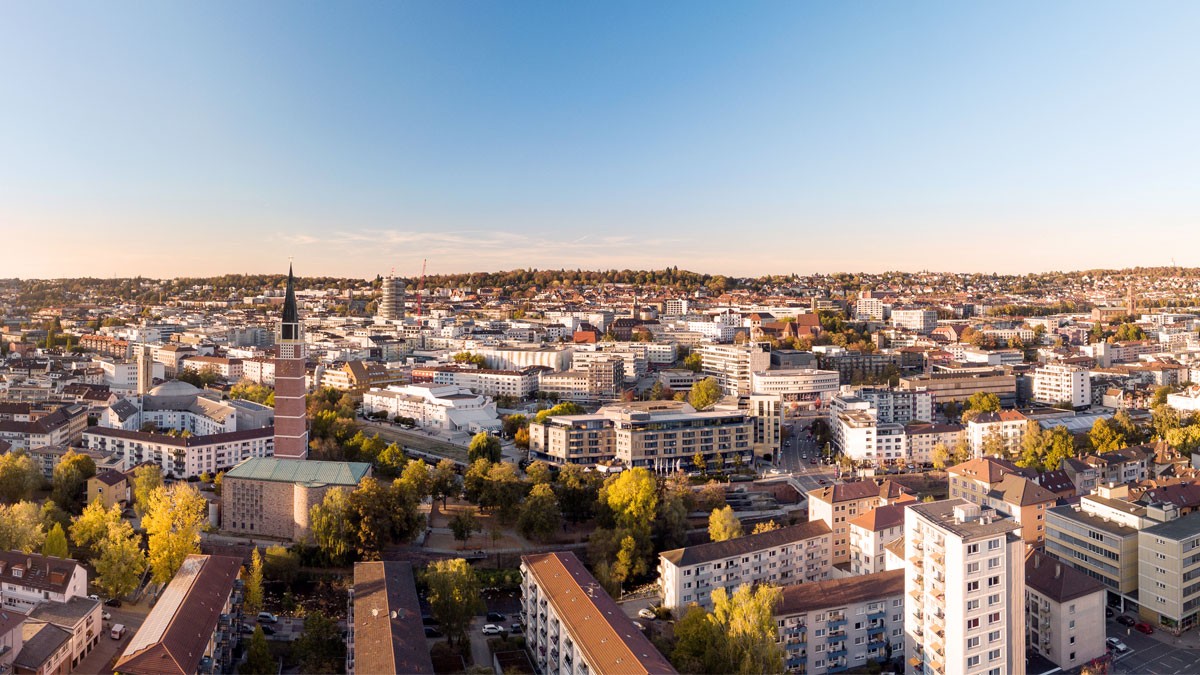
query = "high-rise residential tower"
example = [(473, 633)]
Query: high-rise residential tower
[(391, 306), (291, 419)]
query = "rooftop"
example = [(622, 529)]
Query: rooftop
[(806, 597), (941, 513), (388, 637), (1056, 580), (718, 550), (1184, 527), (310, 472)]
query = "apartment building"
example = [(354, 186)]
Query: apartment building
[(1122, 466), (921, 321), (260, 370), (789, 555), (435, 406), (866, 440), (79, 617), (836, 505), (1056, 383), (181, 457), (831, 626), (896, 405), (28, 579), (1063, 606), (922, 438), (1008, 425), (869, 307), (662, 436), (384, 635), (229, 369), (965, 590), (1169, 573), (733, 366), (572, 627), (1002, 485), (517, 384), (870, 533), (797, 385), (194, 626), (62, 426), (958, 384), (600, 379)]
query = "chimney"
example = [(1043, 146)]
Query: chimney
[(1057, 570)]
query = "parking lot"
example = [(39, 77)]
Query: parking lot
[(105, 654), (1158, 654)]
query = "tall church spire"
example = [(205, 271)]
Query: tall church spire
[(290, 315)]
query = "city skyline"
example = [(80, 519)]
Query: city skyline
[(189, 140)]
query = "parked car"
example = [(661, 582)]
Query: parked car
[(247, 628), (431, 632), (1126, 620), (267, 630), (495, 616), (1143, 627), (1116, 645), (117, 632), (492, 629), (113, 603), (267, 617), (516, 629), (647, 613), (106, 616)]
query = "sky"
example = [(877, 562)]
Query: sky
[(188, 138)]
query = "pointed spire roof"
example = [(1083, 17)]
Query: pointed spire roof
[(290, 315)]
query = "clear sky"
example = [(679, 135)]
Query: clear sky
[(174, 138)]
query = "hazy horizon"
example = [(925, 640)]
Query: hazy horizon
[(188, 139)]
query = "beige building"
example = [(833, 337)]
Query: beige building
[(1063, 606), (733, 366), (1004, 486), (110, 486), (958, 385), (1168, 568), (838, 504), (965, 590), (272, 497), (923, 437), (1099, 537), (870, 533)]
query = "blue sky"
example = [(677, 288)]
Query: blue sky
[(170, 139)]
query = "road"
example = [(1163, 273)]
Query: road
[(1152, 655), (796, 457)]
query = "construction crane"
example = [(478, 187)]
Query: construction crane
[(420, 288)]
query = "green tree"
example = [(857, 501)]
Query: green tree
[(463, 524), (748, 619), (417, 479), (701, 644), (1059, 446), (454, 596), (391, 461), (1163, 418), (632, 495), (173, 521), (320, 648), (280, 564), (1124, 423), (121, 562), (693, 362), (444, 481), (258, 656), (704, 393), (540, 515), (146, 479), (19, 477), (21, 527), (252, 391), (70, 480), (254, 583), (539, 472), (372, 517), (484, 446), (1160, 396), (477, 360), (332, 526), (578, 492), (56, 543), (564, 408), (723, 524)]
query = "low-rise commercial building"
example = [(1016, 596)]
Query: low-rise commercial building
[(435, 406), (797, 385)]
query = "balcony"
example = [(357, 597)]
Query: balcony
[(839, 636), (877, 615), (797, 661), (876, 629), (835, 624), (836, 652)]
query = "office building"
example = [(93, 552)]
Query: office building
[(807, 386), (1169, 573), (435, 406), (921, 321), (733, 365)]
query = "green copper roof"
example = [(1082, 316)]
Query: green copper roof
[(300, 471)]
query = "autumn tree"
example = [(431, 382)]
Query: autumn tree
[(332, 527), (146, 479), (56, 543), (765, 526), (254, 583), (705, 393), (120, 562), (1105, 437), (454, 596), (484, 446), (723, 524), (174, 518), (540, 516), (463, 524), (70, 480), (444, 481), (19, 476)]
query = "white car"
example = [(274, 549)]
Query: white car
[(647, 613), (1117, 645), (492, 629)]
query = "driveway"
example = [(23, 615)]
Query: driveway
[(105, 654)]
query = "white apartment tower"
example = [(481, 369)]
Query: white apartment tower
[(734, 365), (964, 590), (1057, 382), (391, 305)]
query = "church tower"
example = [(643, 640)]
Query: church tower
[(291, 415)]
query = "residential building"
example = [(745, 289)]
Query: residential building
[(840, 503), (765, 411), (864, 439), (195, 624), (181, 456), (79, 617), (1056, 383), (830, 626), (572, 627), (229, 369), (435, 406), (28, 579), (789, 555), (384, 633), (391, 305), (1168, 572), (921, 321), (895, 405), (516, 384), (733, 365), (923, 438), (965, 590), (62, 426), (12, 634), (1122, 466), (359, 376), (870, 533), (1006, 425), (599, 379), (1063, 606), (111, 487), (662, 436), (291, 391), (45, 650), (1002, 485), (870, 307), (272, 497), (797, 385)]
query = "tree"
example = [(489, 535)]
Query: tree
[(765, 526), (21, 527), (19, 477), (980, 402), (1124, 423), (391, 461), (710, 496), (146, 479), (1060, 445), (464, 524), (578, 492), (484, 446), (1163, 418), (1160, 396), (70, 479), (705, 393), (320, 647), (723, 524), (748, 619), (699, 463), (280, 564), (331, 526), (372, 517), (444, 481), (693, 362), (994, 445), (417, 480), (121, 562), (258, 656), (1105, 438), (564, 408), (701, 645), (254, 583), (173, 520), (477, 360), (521, 438), (540, 516), (454, 596), (632, 495), (252, 391), (92, 526), (941, 455), (56, 543), (539, 472)]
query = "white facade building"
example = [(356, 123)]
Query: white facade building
[(1058, 383), (917, 320), (734, 365), (797, 384), (435, 406)]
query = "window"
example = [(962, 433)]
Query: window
[(993, 655), (973, 643), (993, 544), (994, 636), (994, 617), (972, 605), (972, 568), (993, 563), (972, 549), (993, 599), (993, 581), (972, 586), (972, 623), (1072, 641), (973, 661)]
